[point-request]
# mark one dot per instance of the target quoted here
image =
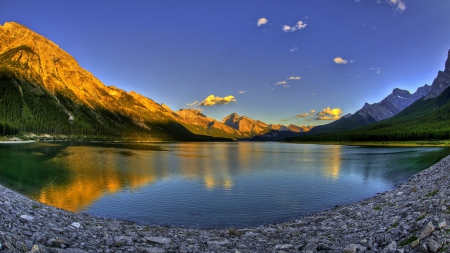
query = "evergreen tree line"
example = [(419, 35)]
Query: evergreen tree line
[(423, 120)]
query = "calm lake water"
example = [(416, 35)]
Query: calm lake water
[(206, 184)]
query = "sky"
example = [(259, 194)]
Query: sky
[(301, 62)]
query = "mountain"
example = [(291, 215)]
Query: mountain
[(198, 123), (44, 90), (428, 118), (394, 103), (245, 125), (291, 128), (442, 80)]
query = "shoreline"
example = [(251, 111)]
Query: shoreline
[(413, 217), (16, 142)]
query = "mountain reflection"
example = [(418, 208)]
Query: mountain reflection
[(94, 173), (332, 164)]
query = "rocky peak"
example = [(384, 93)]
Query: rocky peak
[(441, 82), (392, 104), (190, 113), (447, 64)]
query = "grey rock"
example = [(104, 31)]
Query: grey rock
[(154, 250), (427, 230), (283, 247), (25, 218), (76, 225), (353, 248), (222, 242), (159, 239), (433, 246)]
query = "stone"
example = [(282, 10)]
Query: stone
[(120, 241), (222, 242), (25, 218), (433, 246), (442, 224), (429, 228), (415, 243), (76, 225), (154, 250), (283, 247), (392, 247), (158, 240), (353, 248)]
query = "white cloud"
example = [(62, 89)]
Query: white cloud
[(293, 49), (300, 25), (281, 83), (242, 91), (377, 70), (339, 60), (286, 28), (294, 78), (397, 4), (329, 114), (213, 100), (262, 21)]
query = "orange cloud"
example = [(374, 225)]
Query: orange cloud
[(213, 100), (329, 114)]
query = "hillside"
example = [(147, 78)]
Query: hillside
[(391, 105), (426, 119)]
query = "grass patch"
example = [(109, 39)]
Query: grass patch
[(393, 226), (378, 208), (432, 193), (408, 241)]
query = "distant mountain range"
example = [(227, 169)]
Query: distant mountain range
[(388, 107), (423, 115), (44, 90)]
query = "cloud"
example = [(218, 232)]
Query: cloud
[(281, 83), (242, 91), (339, 60), (293, 49), (300, 25), (378, 70), (397, 4), (329, 114), (286, 28), (192, 104), (313, 111), (302, 115), (213, 100), (294, 78), (262, 21)]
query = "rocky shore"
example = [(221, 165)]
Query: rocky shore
[(412, 218)]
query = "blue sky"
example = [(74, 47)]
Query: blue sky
[(281, 62)]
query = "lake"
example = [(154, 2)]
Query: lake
[(206, 184)]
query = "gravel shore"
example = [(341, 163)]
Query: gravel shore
[(412, 218)]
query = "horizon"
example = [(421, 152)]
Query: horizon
[(264, 61)]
